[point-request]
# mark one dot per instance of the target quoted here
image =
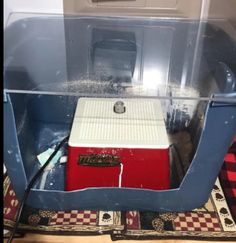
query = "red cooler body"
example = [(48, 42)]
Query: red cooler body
[(118, 143)]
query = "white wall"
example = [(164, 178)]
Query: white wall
[(33, 6)]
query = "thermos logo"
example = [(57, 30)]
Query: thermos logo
[(99, 160)]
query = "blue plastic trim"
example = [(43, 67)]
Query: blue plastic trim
[(218, 132), (12, 154)]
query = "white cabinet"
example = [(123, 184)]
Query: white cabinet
[(155, 8)]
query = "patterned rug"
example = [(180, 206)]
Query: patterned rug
[(228, 180), (57, 222), (215, 221), (212, 222)]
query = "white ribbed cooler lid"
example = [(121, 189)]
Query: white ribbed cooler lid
[(97, 125)]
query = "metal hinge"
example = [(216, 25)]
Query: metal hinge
[(223, 100)]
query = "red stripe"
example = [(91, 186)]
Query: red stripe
[(231, 175), (230, 157)]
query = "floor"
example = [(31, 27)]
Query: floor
[(35, 238)]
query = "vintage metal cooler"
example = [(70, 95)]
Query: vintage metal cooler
[(178, 55), (118, 143)]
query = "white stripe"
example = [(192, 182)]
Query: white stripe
[(219, 205), (120, 175)]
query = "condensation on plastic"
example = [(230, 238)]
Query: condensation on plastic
[(168, 58)]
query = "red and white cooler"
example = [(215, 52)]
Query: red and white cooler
[(118, 143)]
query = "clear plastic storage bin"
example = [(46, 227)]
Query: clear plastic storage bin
[(187, 63)]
